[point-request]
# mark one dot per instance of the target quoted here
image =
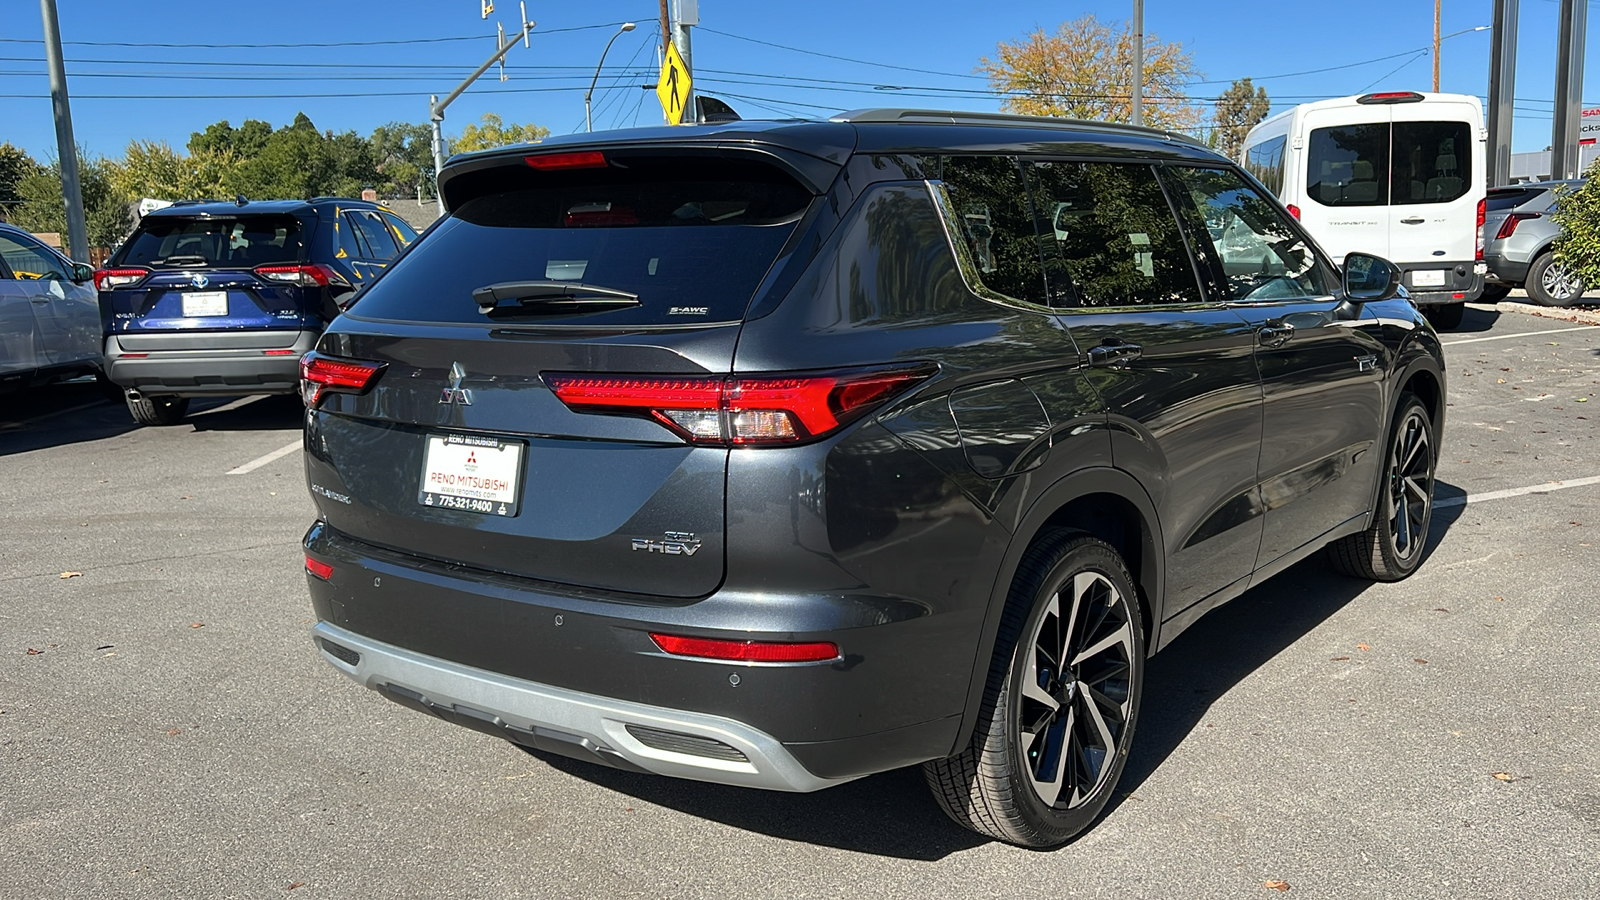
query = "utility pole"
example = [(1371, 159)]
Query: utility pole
[(436, 107), (666, 38), (1436, 45), (1569, 90), (1138, 62), (71, 188), (687, 16), (1502, 88)]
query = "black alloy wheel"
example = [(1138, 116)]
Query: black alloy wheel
[(1063, 698), (1392, 546)]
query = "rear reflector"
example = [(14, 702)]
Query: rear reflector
[(1509, 226), (321, 374), (277, 353), (740, 409), (319, 569), (106, 279), (583, 159), (1391, 97), (746, 651)]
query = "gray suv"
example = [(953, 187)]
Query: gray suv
[(1517, 236)]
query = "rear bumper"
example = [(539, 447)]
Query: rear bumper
[(209, 363), (1506, 271), (1463, 282)]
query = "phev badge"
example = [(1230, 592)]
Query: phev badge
[(455, 393)]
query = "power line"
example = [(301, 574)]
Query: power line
[(863, 62), (300, 44)]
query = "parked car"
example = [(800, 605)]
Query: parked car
[(49, 316), (1398, 174), (1518, 235), (779, 454), (210, 298)]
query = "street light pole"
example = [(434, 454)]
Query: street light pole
[(71, 190), (588, 124), (1437, 40), (1138, 62), (436, 107)]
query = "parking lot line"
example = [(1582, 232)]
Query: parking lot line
[(1507, 337), (260, 461), (1545, 488)]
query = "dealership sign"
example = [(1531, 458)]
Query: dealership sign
[(1589, 129)]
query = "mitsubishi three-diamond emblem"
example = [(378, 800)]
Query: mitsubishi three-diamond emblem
[(455, 393)]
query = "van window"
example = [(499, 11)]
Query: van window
[(1432, 161), (1265, 162), (1110, 236), (1349, 165), (988, 199)]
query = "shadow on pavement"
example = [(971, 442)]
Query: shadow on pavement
[(1476, 318), (79, 412), (260, 414)]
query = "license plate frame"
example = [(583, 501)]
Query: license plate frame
[(472, 473), (1428, 278), (204, 304)]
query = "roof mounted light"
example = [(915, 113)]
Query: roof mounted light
[(557, 162), (1390, 97)]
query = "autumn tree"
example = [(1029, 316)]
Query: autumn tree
[(1085, 71), (1239, 109), (154, 169), (492, 131)]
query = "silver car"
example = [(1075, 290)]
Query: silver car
[(49, 313), (1517, 236)]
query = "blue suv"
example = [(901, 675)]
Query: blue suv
[(222, 299)]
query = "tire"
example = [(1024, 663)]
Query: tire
[(1392, 546), (1047, 751), (158, 410), (1494, 293), (1445, 317), (1549, 284)]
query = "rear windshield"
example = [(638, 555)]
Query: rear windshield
[(692, 238), (245, 241), (1381, 165), (1510, 198)]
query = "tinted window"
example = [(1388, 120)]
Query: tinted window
[(1348, 165), (1110, 236), (241, 241), (28, 262), (693, 238), (350, 246), (1432, 161), (1261, 255), (1265, 162), (403, 233), (989, 200), (374, 233)]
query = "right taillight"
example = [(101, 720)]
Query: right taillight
[(106, 279), (321, 374), (744, 410), (1509, 226)]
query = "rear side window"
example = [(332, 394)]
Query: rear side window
[(1265, 162), (374, 233), (240, 241), (1349, 165), (692, 237), (1432, 162), (991, 204)]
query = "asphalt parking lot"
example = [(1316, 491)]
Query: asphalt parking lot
[(166, 729)]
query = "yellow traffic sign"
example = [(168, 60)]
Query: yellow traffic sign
[(673, 87)]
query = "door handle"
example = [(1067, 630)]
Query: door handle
[(1113, 352), (1274, 335), (41, 300), (1413, 220)]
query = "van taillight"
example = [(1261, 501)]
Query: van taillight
[(1509, 226), (107, 279), (321, 374), (741, 410), (1294, 211), (1482, 211)]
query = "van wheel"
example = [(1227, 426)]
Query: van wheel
[(1445, 317), (1550, 284), (1391, 547), (158, 410), (1494, 293), (1060, 703)]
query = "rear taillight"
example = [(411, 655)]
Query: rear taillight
[(747, 651), (1294, 211), (740, 409), (1509, 226), (1482, 212), (319, 569), (107, 279), (320, 375), (304, 276)]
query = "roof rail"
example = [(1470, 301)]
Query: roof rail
[(955, 117)]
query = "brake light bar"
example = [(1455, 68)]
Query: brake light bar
[(1509, 226), (1390, 97), (106, 279), (305, 276), (740, 409), (582, 159), (321, 374), (747, 651)]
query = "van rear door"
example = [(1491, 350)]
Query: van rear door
[(1347, 178), (1436, 180)]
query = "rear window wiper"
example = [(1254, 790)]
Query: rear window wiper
[(180, 261), (550, 297)]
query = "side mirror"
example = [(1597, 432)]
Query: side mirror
[(82, 273), (1368, 277)]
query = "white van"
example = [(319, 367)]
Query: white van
[(1397, 174)]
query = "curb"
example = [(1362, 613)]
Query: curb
[(1565, 314)]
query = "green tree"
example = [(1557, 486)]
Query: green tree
[(1240, 108), (154, 169), (42, 208), (492, 131), (15, 165), (1084, 70), (404, 154), (1578, 213)]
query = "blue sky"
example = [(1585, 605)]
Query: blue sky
[(924, 54)]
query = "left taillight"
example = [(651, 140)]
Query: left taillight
[(742, 410), (107, 279), (304, 276), (321, 374)]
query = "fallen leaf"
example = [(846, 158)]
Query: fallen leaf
[(1499, 599), (71, 574), (1502, 776), (1456, 733), (1363, 647), (197, 624), (295, 885), (33, 652), (1339, 659), (1276, 885), (1440, 609), (105, 646), (1496, 381), (1420, 660), (173, 731)]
